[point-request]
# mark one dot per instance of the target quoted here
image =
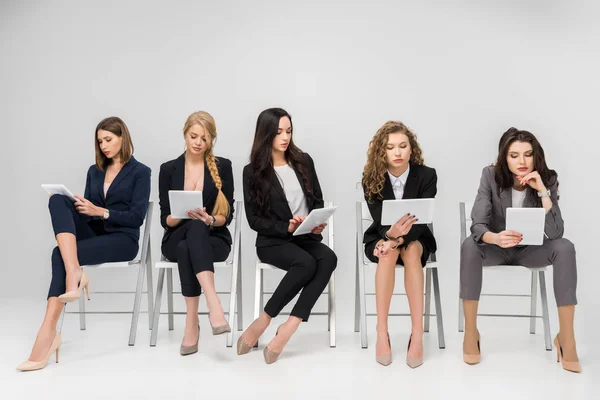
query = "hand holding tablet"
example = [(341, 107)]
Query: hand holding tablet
[(182, 201), (529, 222), (52, 189), (393, 210), (315, 219)]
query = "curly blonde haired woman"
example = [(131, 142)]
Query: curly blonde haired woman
[(395, 170), (196, 243)]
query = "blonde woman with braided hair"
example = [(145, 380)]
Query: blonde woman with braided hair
[(196, 243), (395, 170)]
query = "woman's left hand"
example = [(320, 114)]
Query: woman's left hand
[(86, 207), (534, 180), (201, 214), (317, 230)]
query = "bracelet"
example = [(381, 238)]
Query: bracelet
[(213, 221), (391, 238)]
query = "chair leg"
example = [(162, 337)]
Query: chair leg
[(82, 300), (239, 305), (258, 294), (150, 289), (232, 303), (170, 297), (533, 306), (136, 303), (545, 315), (157, 303), (356, 303), (438, 309), (331, 317), (427, 299), (363, 306), (461, 316)]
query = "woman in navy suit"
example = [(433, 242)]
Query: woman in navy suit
[(102, 226), (395, 170), (196, 243)]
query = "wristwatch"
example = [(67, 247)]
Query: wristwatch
[(544, 194), (212, 223), (106, 214)]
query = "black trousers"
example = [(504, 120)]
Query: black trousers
[(195, 251), (94, 244), (309, 265)]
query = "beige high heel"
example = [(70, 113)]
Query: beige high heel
[(218, 330), (385, 359), (242, 346), (35, 365), (413, 362), (572, 366), (270, 355), (73, 295), (187, 350), (473, 359)]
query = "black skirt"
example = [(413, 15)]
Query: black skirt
[(369, 247)]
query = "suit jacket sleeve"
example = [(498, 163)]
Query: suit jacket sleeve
[(554, 226), (375, 208), (429, 192), (227, 188), (134, 217), (260, 224), (481, 213), (164, 179)]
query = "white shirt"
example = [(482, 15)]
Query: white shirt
[(399, 183), (292, 189), (518, 197)]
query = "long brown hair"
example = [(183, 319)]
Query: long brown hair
[(376, 166), (502, 175), (116, 126), (206, 121)]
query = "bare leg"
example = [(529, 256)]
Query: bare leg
[(190, 335), (67, 245), (385, 276), (566, 336), (47, 331), (284, 334), (207, 282), (413, 284), (471, 333)]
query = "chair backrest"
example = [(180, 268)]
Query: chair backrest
[(364, 220), (330, 230), (465, 218)]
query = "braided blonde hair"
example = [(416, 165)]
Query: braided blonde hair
[(206, 121), (376, 166)]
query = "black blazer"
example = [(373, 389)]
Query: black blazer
[(420, 184), (273, 228), (126, 199), (171, 177)]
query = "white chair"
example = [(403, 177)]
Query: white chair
[(465, 220), (259, 286), (235, 292), (363, 220), (144, 262)]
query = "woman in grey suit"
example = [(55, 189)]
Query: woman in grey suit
[(520, 178)]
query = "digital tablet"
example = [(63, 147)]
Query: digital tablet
[(529, 222), (182, 201), (58, 189), (315, 218), (394, 210)]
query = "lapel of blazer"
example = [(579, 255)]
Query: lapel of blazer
[(178, 176), (412, 183), (276, 184), (505, 200), (123, 173)]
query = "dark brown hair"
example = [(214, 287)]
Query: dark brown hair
[(116, 126), (503, 176)]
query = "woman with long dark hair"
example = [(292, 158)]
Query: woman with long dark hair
[(520, 178), (280, 189)]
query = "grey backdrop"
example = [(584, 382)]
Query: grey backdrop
[(459, 73)]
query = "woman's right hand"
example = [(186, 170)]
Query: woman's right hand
[(403, 226), (506, 239), (295, 223)]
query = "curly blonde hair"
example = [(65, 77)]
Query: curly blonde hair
[(206, 121), (376, 166)]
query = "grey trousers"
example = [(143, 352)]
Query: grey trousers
[(558, 252)]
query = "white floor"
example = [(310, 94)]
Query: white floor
[(98, 363)]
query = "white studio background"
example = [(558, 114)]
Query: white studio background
[(459, 73)]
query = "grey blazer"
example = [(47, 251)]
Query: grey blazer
[(489, 210)]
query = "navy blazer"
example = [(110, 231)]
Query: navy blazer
[(272, 229), (172, 176), (421, 183), (126, 199)]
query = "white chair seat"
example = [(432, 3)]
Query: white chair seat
[(169, 264)]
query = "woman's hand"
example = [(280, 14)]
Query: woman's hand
[(201, 214), (295, 223), (403, 226), (86, 207), (317, 230), (383, 247), (534, 180), (506, 239)]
